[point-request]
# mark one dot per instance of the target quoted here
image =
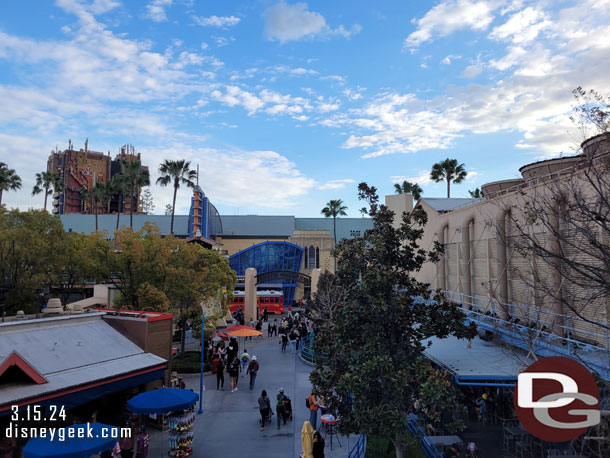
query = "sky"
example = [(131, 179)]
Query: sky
[(287, 105)]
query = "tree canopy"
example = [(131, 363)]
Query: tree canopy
[(375, 368), (450, 171), (409, 188)]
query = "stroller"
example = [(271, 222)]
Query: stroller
[(284, 408)]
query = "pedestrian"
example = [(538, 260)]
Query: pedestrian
[(265, 314), (251, 324), (298, 334), (264, 406), (293, 341), (220, 376), (259, 327), (142, 445), (318, 445), (234, 373), (245, 360), (222, 352), (252, 370), (232, 350), (284, 341), (274, 328), (313, 402), (269, 330), (127, 443), (181, 383)]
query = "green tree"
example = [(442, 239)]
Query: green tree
[(450, 171), (9, 180), (375, 367), (46, 182), (148, 205), (476, 194), (168, 209), (333, 209), (119, 186), (28, 246), (409, 188), (136, 177), (98, 194), (176, 173)]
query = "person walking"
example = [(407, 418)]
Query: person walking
[(265, 314), (293, 341), (220, 376), (269, 330), (264, 406), (127, 443), (274, 328), (284, 341), (142, 445), (245, 360), (232, 350), (234, 373), (252, 370), (313, 402)]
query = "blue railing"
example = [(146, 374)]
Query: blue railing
[(548, 333), (307, 353), (418, 432), (359, 448)]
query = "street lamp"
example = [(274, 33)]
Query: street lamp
[(201, 374)]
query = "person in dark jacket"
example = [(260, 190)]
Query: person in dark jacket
[(264, 406), (234, 373), (220, 376), (318, 445)]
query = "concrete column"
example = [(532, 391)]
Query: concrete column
[(501, 242), (250, 295), (315, 277), (466, 257)]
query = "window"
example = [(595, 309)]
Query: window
[(312, 258), (317, 257)]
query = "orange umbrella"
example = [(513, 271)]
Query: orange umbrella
[(245, 333)]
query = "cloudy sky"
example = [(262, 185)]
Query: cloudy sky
[(286, 105)]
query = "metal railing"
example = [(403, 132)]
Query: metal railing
[(546, 332), (359, 448), (418, 432)]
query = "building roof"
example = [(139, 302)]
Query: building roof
[(347, 228), (69, 351), (442, 204), (483, 361), (77, 222), (257, 226)]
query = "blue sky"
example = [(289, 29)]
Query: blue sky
[(286, 105)]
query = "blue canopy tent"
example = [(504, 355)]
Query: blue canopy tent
[(162, 401), (74, 446)]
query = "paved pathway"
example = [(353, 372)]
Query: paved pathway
[(229, 426)]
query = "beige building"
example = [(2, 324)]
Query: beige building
[(485, 263)]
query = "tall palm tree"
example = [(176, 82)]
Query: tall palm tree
[(333, 209), (86, 197), (98, 193), (118, 185), (47, 182), (450, 171), (176, 172), (136, 177), (9, 180), (409, 188)]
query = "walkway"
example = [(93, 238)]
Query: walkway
[(229, 425)]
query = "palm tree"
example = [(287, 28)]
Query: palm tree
[(409, 188), (333, 209), (9, 180), (47, 181), (86, 197), (476, 194), (98, 193), (176, 172), (118, 185), (135, 177), (448, 170)]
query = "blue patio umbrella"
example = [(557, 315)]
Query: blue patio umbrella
[(162, 401), (96, 438)]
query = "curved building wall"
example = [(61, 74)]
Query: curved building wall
[(267, 257)]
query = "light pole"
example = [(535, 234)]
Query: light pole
[(201, 374)]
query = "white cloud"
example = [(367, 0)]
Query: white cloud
[(422, 178), (335, 184), (156, 10), (522, 27), (449, 59), (471, 71), (221, 41), (204, 45), (284, 22), (450, 16), (215, 21)]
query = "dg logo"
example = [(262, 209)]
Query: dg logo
[(557, 399)]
